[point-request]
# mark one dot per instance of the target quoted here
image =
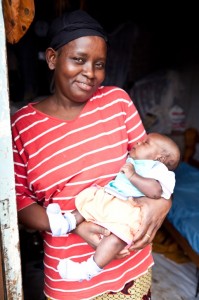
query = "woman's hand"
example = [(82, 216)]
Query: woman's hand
[(91, 233), (153, 213)]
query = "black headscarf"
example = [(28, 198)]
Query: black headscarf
[(73, 25)]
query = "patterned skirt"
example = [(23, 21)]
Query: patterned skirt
[(138, 289)]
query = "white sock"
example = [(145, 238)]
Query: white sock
[(74, 271), (60, 224), (70, 218)]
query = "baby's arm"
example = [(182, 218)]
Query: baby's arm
[(148, 186)]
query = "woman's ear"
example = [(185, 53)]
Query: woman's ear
[(51, 55)]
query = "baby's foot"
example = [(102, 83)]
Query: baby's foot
[(74, 271), (70, 270), (59, 224)]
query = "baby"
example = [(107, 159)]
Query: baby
[(148, 171)]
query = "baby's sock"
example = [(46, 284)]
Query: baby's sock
[(74, 271), (60, 224)]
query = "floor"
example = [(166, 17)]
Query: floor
[(171, 280)]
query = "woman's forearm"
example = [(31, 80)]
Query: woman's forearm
[(34, 217)]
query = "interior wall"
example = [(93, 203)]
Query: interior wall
[(145, 38)]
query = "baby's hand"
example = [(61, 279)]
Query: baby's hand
[(128, 169)]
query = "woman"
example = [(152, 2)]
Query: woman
[(80, 136)]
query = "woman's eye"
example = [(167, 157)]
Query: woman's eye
[(100, 65), (78, 60)]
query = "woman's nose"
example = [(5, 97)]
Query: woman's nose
[(88, 70)]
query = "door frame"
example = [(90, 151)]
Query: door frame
[(10, 266)]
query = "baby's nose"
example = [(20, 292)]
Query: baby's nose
[(139, 143)]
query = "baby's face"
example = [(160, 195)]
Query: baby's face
[(147, 149)]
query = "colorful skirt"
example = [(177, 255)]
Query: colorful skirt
[(138, 289)]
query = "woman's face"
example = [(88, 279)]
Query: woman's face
[(79, 68)]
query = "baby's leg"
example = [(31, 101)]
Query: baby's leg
[(105, 253), (107, 250)]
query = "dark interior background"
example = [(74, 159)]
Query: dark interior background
[(166, 38), (173, 29)]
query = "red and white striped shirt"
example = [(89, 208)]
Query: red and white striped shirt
[(56, 159)]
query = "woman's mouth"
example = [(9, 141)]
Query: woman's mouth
[(84, 86)]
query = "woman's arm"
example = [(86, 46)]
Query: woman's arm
[(34, 217)]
